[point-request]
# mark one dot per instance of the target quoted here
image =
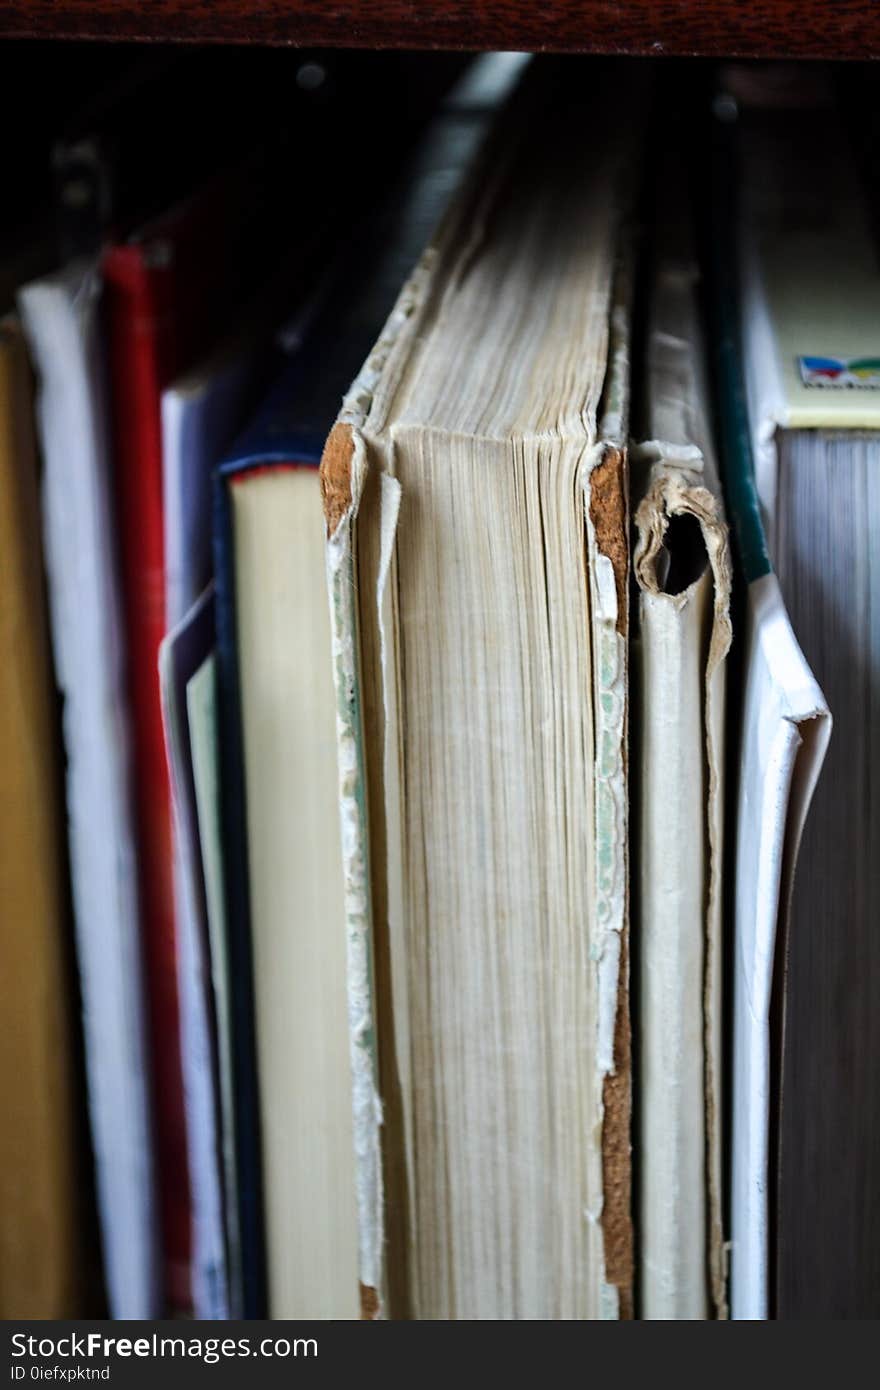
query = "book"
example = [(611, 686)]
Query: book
[(475, 486), (782, 730), (296, 909), (682, 637), (181, 654), (201, 704), (42, 1215), (61, 319), (810, 301)]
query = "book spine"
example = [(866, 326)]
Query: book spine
[(607, 511), (236, 874), (342, 474)]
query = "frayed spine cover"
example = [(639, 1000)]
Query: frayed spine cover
[(343, 469)]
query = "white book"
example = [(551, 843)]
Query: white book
[(61, 319), (181, 655), (785, 726), (201, 702), (785, 730)]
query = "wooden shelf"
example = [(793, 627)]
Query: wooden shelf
[(747, 28)]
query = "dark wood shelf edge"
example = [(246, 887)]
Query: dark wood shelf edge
[(844, 29)]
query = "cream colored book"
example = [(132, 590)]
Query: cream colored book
[(475, 496), (297, 910), (681, 640)]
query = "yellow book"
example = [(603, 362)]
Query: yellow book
[(40, 1252)]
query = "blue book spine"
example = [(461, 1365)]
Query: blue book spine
[(235, 867)]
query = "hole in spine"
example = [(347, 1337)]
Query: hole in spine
[(683, 557)]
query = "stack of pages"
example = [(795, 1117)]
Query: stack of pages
[(474, 492)]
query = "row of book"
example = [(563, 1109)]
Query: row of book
[(450, 590)]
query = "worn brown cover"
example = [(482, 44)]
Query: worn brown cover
[(609, 513)]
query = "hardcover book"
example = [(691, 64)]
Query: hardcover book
[(201, 706), (475, 496), (681, 641), (181, 654)]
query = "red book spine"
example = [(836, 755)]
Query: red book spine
[(140, 321)]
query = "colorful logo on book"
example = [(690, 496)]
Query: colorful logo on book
[(840, 371)]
